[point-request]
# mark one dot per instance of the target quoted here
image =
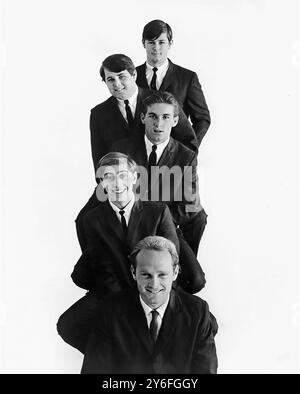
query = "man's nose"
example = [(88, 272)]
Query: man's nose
[(117, 82), (154, 282), (159, 122), (156, 45)]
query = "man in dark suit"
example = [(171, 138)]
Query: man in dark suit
[(160, 73), (155, 329), (159, 153), (119, 117), (112, 229)]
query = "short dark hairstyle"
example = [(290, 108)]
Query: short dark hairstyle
[(114, 159), (160, 97), (155, 28), (117, 63), (154, 242)]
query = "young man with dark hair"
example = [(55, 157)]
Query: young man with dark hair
[(119, 117), (171, 165), (159, 73)]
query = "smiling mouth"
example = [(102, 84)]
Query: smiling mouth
[(154, 292), (158, 131), (119, 191)]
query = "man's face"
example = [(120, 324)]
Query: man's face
[(121, 85), (159, 120), (157, 50), (154, 276), (118, 181)]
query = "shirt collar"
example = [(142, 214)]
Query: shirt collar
[(161, 310), (160, 147), (161, 69)]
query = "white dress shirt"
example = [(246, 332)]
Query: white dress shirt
[(127, 209), (160, 73), (160, 147), (161, 311), (132, 104)]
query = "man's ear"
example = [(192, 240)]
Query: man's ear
[(134, 75), (134, 177), (133, 272), (175, 120), (175, 272), (142, 116)]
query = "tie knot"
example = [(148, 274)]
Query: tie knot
[(122, 212), (154, 313), (154, 147), (126, 102), (154, 69)]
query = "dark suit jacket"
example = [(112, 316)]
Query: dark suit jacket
[(121, 342), (185, 86), (104, 266), (175, 154), (108, 125)]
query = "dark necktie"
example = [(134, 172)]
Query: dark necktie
[(154, 325), (123, 221), (153, 156), (128, 113), (151, 163), (153, 80)]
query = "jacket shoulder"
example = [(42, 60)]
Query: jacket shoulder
[(102, 106), (195, 305), (183, 71), (153, 207), (183, 151)]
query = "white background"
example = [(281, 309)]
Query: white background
[(247, 56)]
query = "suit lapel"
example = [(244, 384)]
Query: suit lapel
[(169, 323), (139, 322), (117, 115), (169, 77), (167, 157), (143, 79), (113, 223), (134, 221)]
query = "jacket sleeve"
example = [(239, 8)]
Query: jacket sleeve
[(97, 145), (182, 211), (95, 269), (167, 227), (184, 132), (204, 358), (197, 108), (100, 348)]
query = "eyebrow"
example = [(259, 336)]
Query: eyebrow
[(153, 113)]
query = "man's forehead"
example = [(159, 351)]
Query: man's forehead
[(161, 108), (115, 74), (122, 166), (158, 260), (163, 36)]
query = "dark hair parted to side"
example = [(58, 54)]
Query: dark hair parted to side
[(154, 242), (117, 63), (114, 159), (155, 28), (160, 97)]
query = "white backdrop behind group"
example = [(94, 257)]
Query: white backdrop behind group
[(247, 56)]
